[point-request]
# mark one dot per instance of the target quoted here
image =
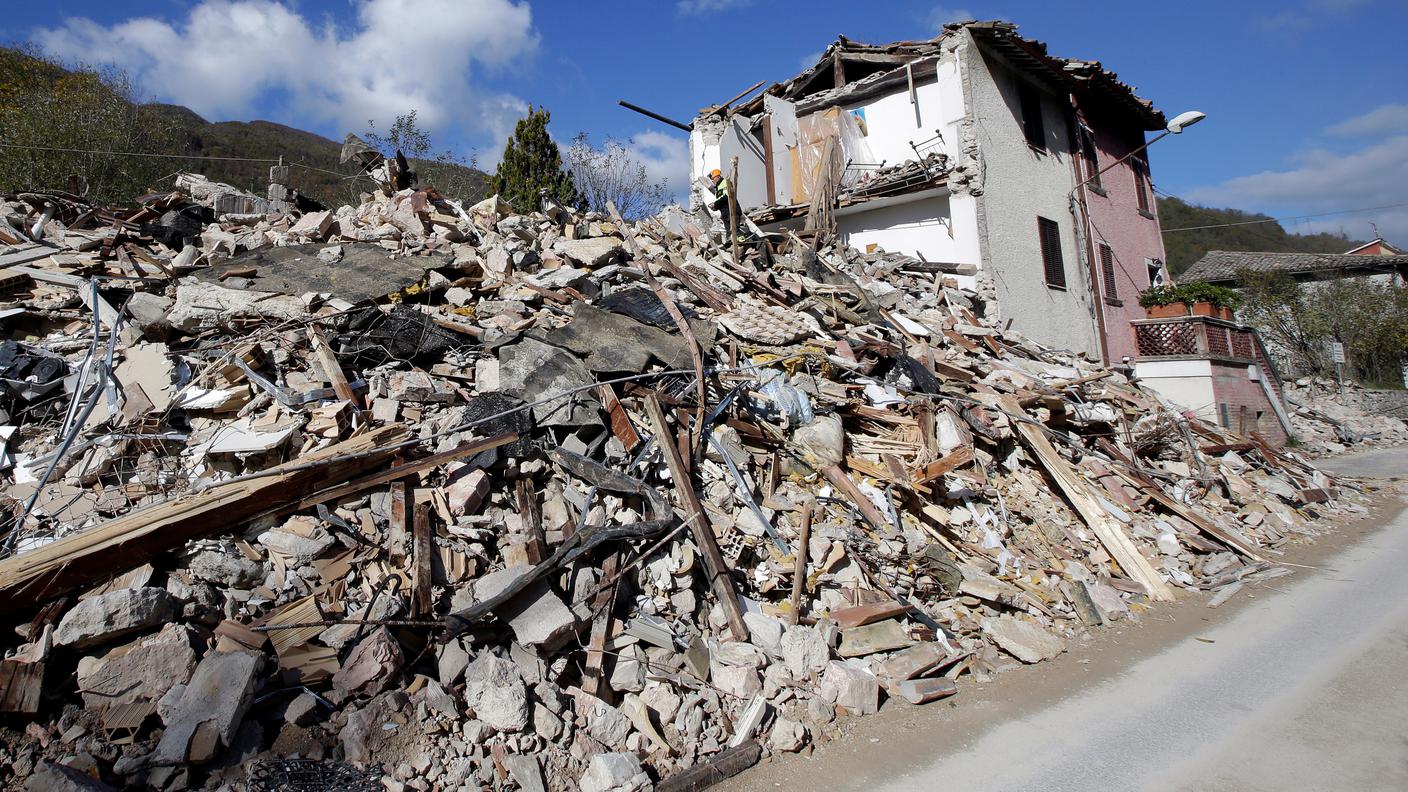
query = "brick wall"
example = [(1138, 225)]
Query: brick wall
[(1246, 406)]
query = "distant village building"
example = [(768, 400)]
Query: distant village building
[(968, 151), (1378, 247), (1224, 267)]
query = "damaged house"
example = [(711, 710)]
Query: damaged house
[(976, 152)]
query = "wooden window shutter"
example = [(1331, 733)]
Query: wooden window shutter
[(1032, 124), (1092, 159), (1141, 184), (1053, 266), (1107, 269)]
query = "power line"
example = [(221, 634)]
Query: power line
[(1279, 219), (177, 156), (134, 153)]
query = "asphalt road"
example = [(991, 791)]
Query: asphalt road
[(1379, 462), (1304, 688)]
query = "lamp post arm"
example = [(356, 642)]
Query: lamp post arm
[(1102, 171)]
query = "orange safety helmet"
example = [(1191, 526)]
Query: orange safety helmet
[(716, 174)]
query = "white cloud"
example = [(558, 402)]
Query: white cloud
[(394, 56), (1383, 120), (666, 158), (939, 16), (1296, 19), (1319, 181), (810, 59), (689, 7)]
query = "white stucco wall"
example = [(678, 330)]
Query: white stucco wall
[(893, 122), (1020, 184), (1185, 383), (934, 227)]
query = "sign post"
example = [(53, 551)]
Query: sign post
[(1337, 355)]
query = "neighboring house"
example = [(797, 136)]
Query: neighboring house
[(968, 151), (1378, 247), (1222, 370), (1222, 267)]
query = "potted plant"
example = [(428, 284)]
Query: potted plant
[(1210, 300), (1163, 302)]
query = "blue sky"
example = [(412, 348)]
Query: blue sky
[(1307, 100)]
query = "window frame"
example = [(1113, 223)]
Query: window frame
[(1090, 158), (1108, 282), (1143, 186), (1048, 234), (1030, 109)]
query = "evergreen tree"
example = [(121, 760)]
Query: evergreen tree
[(531, 164)]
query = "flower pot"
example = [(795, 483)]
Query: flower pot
[(1226, 314), (1203, 308), (1167, 311)]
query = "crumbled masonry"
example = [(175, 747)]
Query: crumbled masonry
[(416, 496)]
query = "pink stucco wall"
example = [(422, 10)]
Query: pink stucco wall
[(1115, 219)]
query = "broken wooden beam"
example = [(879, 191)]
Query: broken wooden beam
[(700, 529), (88, 556), (1111, 535)]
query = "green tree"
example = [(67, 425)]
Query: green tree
[(66, 114), (532, 166), (1300, 320)]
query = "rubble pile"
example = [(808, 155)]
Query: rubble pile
[(1326, 425), (410, 495)]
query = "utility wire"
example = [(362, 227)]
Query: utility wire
[(134, 153), (178, 156), (1279, 219)]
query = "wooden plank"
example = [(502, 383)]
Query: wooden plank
[(707, 294), (868, 509), (20, 686), (396, 530), (954, 460), (694, 517), (402, 471), (594, 678), (799, 570), (1151, 488), (332, 368), (420, 559), (621, 425), (135, 538), (722, 765), (1110, 533), (532, 515)]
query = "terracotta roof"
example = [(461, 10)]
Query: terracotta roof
[(1223, 265)]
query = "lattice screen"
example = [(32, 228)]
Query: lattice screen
[(1173, 338)]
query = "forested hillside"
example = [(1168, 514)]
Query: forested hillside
[(45, 104), (1183, 248)]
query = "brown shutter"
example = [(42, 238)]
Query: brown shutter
[(1141, 184), (1092, 159), (1053, 266), (1107, 268)]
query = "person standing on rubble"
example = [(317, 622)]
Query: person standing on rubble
[(726, 203)]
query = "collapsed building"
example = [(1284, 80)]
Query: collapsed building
[(414, 495), (1023, 174)]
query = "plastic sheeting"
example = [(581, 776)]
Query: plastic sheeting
[(812, 133)]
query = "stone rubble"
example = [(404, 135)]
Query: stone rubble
[(539, 606)]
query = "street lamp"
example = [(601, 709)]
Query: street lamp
[(1179, 123)]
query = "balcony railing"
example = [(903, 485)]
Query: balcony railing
[(1194, 337)]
